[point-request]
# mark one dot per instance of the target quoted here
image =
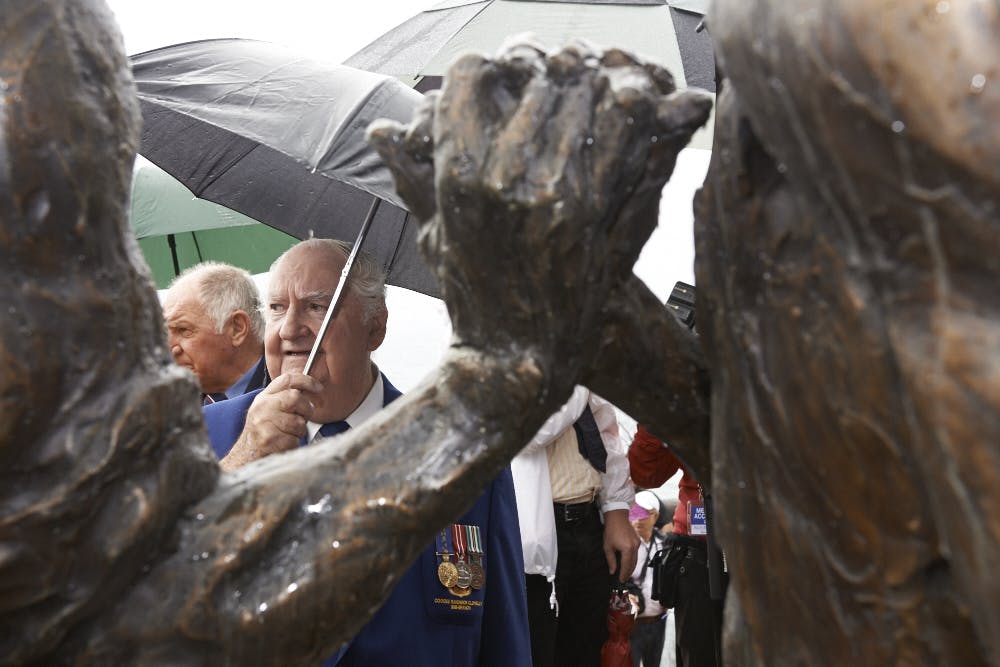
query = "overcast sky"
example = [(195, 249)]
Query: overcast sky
[(332, 29)]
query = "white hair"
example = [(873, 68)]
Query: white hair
[(367, 279), (222, 290)]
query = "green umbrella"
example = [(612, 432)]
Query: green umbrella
[(176, 230)]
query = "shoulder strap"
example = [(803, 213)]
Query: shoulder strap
[(655, 543)]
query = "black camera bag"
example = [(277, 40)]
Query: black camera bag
[(666, 566)]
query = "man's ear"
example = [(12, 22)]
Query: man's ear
[(238, 327), (376, 329)]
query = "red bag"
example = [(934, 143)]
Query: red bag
[(617, 651)]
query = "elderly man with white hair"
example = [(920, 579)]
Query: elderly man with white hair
[(215, 329)]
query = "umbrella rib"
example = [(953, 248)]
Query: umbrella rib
[(232, 164)]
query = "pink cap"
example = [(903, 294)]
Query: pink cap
[(637, 513)]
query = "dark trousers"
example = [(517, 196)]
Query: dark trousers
[(698, 616), (647, 643), (583, 589)]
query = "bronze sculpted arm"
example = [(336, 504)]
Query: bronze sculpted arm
[(652, 367)]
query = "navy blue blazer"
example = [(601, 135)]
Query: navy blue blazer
[(260, 377), (422, 622)]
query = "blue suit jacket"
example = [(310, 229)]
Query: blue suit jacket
[(225, 419), (422, 623)]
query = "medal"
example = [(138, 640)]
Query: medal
[(464, 576), (477, 576), (447, 574)]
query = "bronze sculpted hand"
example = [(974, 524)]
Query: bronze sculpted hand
[(538, 179)]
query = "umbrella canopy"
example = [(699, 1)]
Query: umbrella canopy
[(280, 138), (176, 230), (419, 51)]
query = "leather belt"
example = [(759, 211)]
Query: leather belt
[(575, 512)]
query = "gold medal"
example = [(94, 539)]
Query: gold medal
[(460, 592), (447, 574)]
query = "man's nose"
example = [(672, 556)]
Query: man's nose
[(294, 325)]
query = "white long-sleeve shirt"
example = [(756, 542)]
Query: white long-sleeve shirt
[(616, 486), (644, 579), (532, 486)]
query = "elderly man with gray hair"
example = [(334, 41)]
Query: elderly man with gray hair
[(462, 601), (216, 330), (344, 385)]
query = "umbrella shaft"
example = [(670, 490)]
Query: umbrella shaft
[(338, 294), (172, 242)]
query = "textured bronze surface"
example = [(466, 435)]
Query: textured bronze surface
[(848, 256), (120, 542), (848, 248)]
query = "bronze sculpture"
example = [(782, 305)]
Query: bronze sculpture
[(847, 243)]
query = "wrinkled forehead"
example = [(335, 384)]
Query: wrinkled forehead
[(182, 301), (306, 272)]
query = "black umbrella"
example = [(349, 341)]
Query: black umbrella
[(281, 138), (667, 32)]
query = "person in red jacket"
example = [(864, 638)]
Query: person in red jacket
[(698, 618)]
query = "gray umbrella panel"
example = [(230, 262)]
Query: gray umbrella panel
[(662, 31), (403, 51), (312, 111), (278, 137)]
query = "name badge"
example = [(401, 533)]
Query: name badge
[(696, 519)]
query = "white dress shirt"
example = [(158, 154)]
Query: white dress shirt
[(368, 407)]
